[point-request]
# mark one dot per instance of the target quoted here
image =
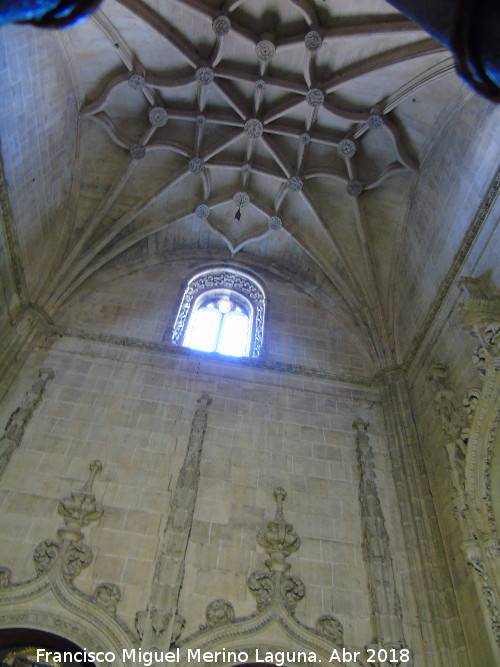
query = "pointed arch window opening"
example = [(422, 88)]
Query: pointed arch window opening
[(221, 311)]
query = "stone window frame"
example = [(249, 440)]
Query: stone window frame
[(229, 281)]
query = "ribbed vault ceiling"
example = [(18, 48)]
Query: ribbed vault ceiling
[(286, 131)]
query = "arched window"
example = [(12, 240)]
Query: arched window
[(222, 311)]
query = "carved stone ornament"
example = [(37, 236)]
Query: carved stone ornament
[(160, 624), (75, 558), (196, 165), (305, 138), (481, 312), (260, 84), (313, 41), (221, 25), (265, 50), (246, 168), (219, 612), (45, 555), (330, 627), (81, 507), (137, 152), (202, 211), (158, 116), (346, 148), (200, 119), (279, 539), (315, 97), (294, 184), (275, 223), (5, 577), (480, 361), (253, 128), (107, 596), (241, 199), (136, 81), (354, 188), (204, 75)]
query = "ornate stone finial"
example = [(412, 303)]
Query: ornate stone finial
[(294, 184), (274, 584), (265, 50), (346, 148), (279, 539), (158, 116), (81, 507), (221, 25), (313, 41), (253, 128), (204, 75), (315, 97)]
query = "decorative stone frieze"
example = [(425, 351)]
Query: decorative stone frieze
[(16, 425)]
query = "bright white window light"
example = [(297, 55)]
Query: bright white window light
[(222, 310)]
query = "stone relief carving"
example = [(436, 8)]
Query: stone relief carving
[(107, 596), (5, 577), (45, 555), (76, 557), (161, 624), (219, 612), (386, 605), (330, 627), (81, 507), (472, 432), (19, 419)]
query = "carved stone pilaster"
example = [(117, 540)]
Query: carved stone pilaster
[(19, 419), (386, 607), (160, 624)]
